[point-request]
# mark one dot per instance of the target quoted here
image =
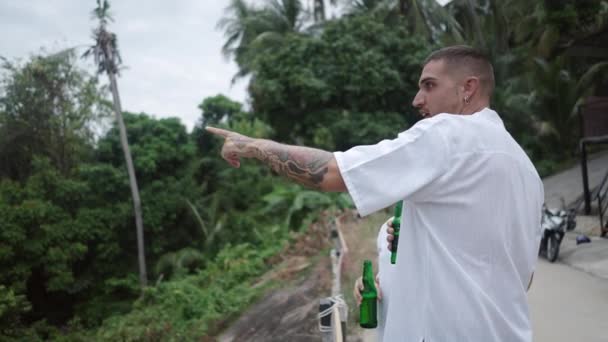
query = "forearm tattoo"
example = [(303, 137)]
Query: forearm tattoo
[(304, 165)]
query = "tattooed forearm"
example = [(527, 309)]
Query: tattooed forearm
[(306, 166)]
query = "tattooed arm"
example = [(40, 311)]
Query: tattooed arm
[(307, 166)]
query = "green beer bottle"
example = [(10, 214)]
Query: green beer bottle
[(396, 227), (368, 310)]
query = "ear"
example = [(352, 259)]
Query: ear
[(471, 86)]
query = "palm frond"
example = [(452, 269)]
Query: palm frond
[(547, 41), (102, 12), (198, 218), (597, 72), (247, 29), (362, 6)]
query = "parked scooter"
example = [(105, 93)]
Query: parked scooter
[(554, 225)]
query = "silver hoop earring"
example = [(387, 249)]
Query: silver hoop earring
[(466, 99)]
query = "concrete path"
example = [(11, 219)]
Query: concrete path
[(569, 299), (569, 183), (568, 305), (590, 257)]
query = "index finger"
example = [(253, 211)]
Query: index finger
[(217, 131)]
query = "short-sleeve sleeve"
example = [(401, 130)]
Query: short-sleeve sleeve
[(378, 176)]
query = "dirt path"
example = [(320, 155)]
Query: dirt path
[(288, 312)]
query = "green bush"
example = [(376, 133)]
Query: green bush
[(189, 308), (546, 167)]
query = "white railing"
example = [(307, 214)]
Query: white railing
[(333, 309)]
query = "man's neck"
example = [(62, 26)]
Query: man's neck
[(474, 107)]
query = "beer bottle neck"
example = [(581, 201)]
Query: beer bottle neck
[(368, 275)]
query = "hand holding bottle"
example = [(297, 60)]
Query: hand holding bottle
[(368, 310), (390, 235), (359, 288)]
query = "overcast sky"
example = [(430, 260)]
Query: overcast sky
[(171, 48)]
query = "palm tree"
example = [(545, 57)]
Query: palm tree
[(361, 6), (319, 9), (529, 26), (469, 14), (238, 26), (417, 13), (540, 27), (558, 94), (107, 58), (250, 31), (425, 18)]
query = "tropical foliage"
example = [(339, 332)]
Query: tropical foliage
[(68, 243)]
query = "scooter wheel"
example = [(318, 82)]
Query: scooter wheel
[(552, 248)]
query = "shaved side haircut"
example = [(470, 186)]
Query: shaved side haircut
[(467, 61)]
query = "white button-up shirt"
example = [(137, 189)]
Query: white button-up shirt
[(470, 230)]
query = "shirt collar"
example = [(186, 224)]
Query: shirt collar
[(489, 114)]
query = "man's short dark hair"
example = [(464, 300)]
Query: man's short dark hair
[(476, 62)]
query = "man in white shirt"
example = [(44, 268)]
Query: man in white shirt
[(472, 203)]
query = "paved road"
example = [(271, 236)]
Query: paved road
[(568, 305), (569, 299)]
